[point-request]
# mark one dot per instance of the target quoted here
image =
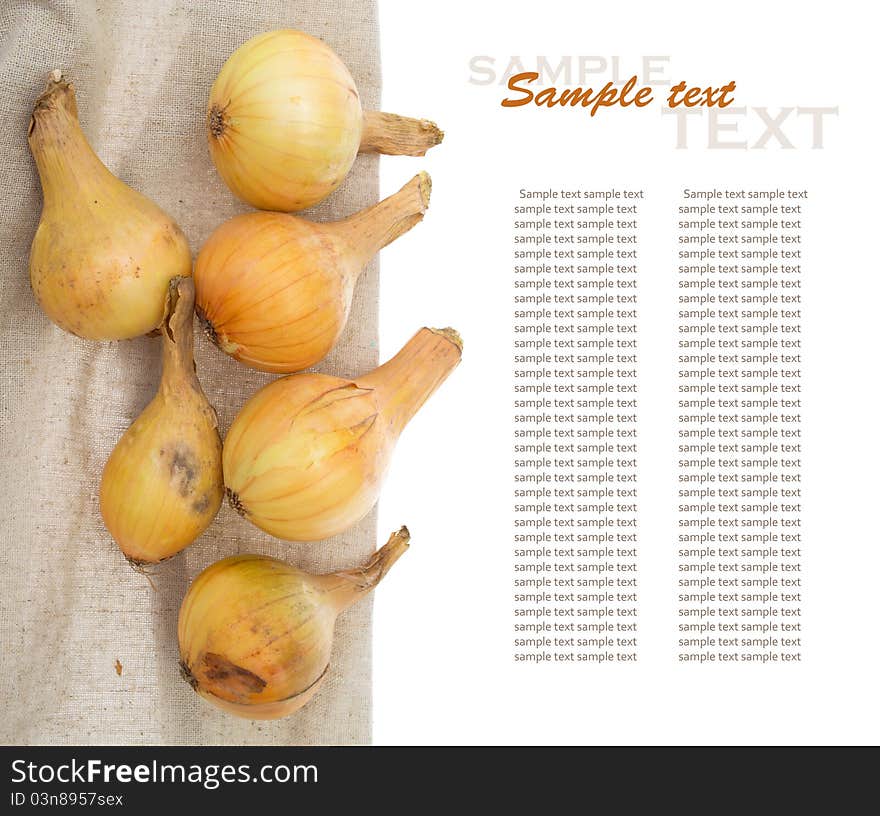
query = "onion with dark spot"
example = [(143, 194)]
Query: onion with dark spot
[(256, 634), (163, 482)]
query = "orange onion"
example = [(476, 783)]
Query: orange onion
[(274, 290), (305, 457), (285, 122)]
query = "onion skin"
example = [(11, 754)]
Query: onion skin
[(163, 483), (305, 457), (285, 122), (274, 290), (393, 135), (103, 254), (256, 634)]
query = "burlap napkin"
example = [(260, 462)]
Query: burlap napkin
[(70, 606)]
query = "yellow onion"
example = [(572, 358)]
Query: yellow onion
[(256, 634), (163, 482), (305, 457), (285, 122), (103, 254), (274, 290)]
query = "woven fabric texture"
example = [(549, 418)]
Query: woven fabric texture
[(70, 606)]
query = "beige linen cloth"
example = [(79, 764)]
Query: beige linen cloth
[(70, 606)]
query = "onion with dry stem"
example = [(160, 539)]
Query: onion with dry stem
[(274, 290), (305, 457), (103, 254), (163, 483), (256, 634), (285, 122)]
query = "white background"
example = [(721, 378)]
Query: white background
[(443, 625)]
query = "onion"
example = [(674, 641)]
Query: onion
[(163, 483), (274, 290), (305, 457), (285, 122), (256, 634), (103, 254)]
